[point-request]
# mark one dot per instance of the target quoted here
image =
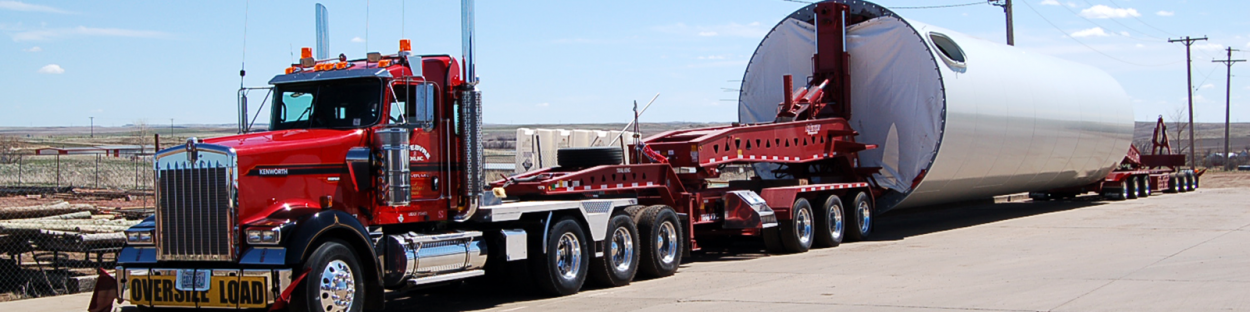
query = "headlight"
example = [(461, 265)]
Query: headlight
[(269, 236), (140, 237)]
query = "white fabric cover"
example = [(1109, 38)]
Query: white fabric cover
[(896, 91)]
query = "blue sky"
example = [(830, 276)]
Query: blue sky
[(547, 61)]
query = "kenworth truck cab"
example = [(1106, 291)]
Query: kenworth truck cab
[(369, 177)]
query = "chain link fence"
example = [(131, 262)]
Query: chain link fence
[(62, 217)]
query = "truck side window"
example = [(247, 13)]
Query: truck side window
[(418, 101), (296, 106)]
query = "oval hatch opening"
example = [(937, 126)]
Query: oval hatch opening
[(948, 47)]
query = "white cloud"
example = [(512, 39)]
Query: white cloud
[(711, 57), (45, 34), (1208, 46), (1092, 32), (750, 30), (52, 69), (1102, 11), (33, 49), (543, 104), (1165, 13), (1124, 33), (1050, 2), (1140, 45), (357, 39), (1207, 86), (1072, 4), (26, 7)]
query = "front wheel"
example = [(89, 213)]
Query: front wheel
[(334, 282), (861, 213), (662, 240), (619, 263), (562, 270)]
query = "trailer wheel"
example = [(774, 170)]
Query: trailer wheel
[(585, 157), (619, 263), (830, 225), (662, 241), (1143, 186), (1196, 178), (562, 271), (861, 217), (334, 282), (1190, 181), (1130, 187), (797, 233), (1172, 184), (1182, 183)]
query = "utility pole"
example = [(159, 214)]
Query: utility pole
[(171, 128), (1006, 4), (92, 126), (1228, 91), (1189, 76)]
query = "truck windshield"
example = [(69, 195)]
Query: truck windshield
[(327, 104)]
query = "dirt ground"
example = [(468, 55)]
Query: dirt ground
[(1233, 179)]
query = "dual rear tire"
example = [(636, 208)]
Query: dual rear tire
[(826, 226), (646, 240)]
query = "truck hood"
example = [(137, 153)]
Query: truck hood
[(251, 144)]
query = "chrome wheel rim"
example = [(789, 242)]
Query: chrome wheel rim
[(338, 286), (667, 242), (621, 250), (865, 216), (568, 256), (803, 225), (835, 224)]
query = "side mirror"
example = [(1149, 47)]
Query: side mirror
[(424, 98)]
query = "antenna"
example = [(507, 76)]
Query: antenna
[(323, 32)]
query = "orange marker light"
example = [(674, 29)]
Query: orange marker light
[(290, 70), (305, 52), (340, 65), (405, 45), (384, 63)]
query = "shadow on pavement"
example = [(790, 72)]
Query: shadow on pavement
[(484, 293)]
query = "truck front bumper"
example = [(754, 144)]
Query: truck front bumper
[(219, 288)]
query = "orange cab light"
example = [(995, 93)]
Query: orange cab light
[(340, 65), (405, 45), (384, 63), (305, 52), (290, 70)]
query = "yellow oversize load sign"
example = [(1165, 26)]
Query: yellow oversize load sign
[(223, 291)]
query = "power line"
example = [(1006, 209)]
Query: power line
[(937, 6), (1052, 24), (1114, 21), (1117, 5)]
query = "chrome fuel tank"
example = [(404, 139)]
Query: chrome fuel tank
[(956, 117)]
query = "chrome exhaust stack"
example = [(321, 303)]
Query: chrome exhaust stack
[(470, 123)]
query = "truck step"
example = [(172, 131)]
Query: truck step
[(445, 277)]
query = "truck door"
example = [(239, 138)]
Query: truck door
[(426, 159)]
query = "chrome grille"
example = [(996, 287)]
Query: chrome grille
[(193, 215)]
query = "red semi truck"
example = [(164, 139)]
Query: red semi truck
[(370, 177)]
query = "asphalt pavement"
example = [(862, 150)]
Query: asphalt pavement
[(1174, 252)]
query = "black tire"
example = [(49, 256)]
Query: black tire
[(830, 223), (861, 218), (619, 263), (1130, 187), (563, 269), (1172, 188), (1196, 179), (585, 157), (1182, 183), (1190, 181), (797, 233), (1143, 186), (662, 241), (326, 265)]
